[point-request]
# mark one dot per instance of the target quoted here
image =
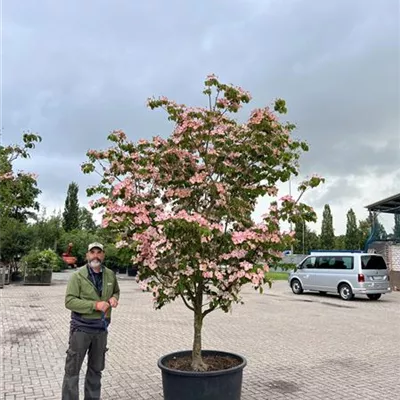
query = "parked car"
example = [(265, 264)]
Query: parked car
[(346, 273)]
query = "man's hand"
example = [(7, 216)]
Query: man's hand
[(102, 306), (113, 302)]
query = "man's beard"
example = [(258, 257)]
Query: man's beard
[(95, 263)]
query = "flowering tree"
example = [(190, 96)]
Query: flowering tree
[(184, 203), (18, 190)]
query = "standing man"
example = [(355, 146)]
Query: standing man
[(91, 292)]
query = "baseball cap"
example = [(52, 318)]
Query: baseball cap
[(95, 245)]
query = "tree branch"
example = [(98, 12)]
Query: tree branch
[(211, 309), (189, 293), (300, 196), (186, 303)]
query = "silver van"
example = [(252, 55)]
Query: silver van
[(346, 273)]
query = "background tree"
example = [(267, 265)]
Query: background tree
[(306, 239), (340, 242), (18, 190), (327, 238), (371, 225), (46, 231), (396, 228), (86, 221), (118, 257), (352, 239), (380, 231), (364, 228), (16, 240), (71, 208)]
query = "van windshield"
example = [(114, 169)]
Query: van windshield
[(372, 262)]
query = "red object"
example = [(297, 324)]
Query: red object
[(361, 278), (68, 258)]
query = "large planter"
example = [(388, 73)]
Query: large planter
[(213, 385), (5, 273), (33, 277)]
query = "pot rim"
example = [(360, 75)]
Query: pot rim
[(201, 374)]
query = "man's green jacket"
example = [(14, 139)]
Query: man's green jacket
[(81, 295)]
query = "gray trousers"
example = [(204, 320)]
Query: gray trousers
[(80, 343)]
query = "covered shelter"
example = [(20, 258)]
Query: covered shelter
[(390, 249), (390, 205)]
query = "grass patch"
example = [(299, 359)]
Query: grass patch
[(277, 276)]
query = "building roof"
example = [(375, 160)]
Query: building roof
[(391, 205)]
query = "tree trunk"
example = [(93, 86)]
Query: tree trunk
[(197, 361)]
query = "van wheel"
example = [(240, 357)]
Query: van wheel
[(374, 296), (296, 286), (345, 292)]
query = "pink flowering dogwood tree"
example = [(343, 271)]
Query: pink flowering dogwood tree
[(185, 203)]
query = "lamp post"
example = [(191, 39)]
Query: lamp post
[(291, 224)]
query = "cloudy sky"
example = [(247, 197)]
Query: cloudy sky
[(74, 70)]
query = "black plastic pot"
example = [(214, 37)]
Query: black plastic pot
[(114, 269), (213, 385), (16, 276), (132, 271), (5, 275)]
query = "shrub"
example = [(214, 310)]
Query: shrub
[(117, 257), (38, 261)]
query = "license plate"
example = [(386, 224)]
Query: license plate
[(378, 278), (379, 286)]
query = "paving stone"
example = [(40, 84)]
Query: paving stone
[(297, 347)]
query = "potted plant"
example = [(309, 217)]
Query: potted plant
[(38, 267), (184, 204)]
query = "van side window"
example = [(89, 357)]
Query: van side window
[(335, 262), (348, 262), (323, 262), (309, 262)]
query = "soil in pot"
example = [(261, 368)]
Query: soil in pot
[(214, 363)]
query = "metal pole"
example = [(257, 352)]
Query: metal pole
[(291, 224)]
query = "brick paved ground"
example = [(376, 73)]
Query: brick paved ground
[(306, 347)]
